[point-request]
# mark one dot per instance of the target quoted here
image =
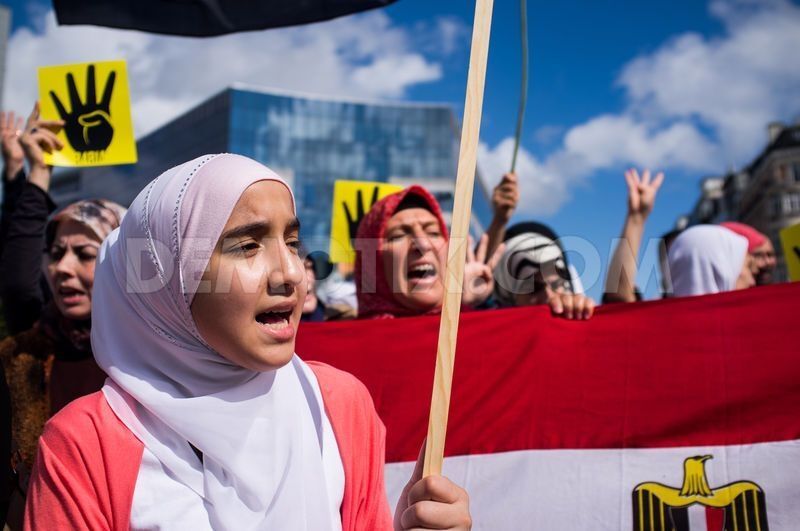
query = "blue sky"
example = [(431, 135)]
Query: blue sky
[(578, 51), (686, 86)]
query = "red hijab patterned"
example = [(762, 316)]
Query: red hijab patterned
[(755, 239), (375, 297)]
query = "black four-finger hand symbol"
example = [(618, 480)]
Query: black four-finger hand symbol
[(353, 221), (88, 124)]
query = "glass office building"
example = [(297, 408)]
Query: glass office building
[(309, 141)]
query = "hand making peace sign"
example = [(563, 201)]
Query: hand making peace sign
[(478, 274)]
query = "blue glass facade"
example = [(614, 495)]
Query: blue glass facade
[(312, 142), (322, 141)]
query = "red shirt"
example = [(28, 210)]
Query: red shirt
[(88, 462)]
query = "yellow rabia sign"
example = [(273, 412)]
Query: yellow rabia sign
[(351, 201), (93, 101), (790, 240)]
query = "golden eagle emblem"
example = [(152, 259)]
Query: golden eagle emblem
[(738, 506)]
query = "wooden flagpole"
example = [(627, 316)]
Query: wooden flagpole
[(456, 251)]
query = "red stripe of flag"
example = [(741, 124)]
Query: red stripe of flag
[(715, 370), (715, 519)]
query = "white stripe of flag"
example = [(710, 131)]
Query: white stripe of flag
[(566, 490)]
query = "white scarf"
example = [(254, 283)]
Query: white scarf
[(260, 433), (521, 250), (706, 259)]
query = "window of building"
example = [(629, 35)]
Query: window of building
[(796, 171), (791, 203)]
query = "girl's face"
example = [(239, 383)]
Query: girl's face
[(249, 303), (541, 289), (414, 257), (70, 268)]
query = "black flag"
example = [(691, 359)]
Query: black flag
[(205, 18)]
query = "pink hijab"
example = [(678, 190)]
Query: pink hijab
[(755, 239), (258, 432)]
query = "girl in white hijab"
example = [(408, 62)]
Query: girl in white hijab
[(197, 299), (708, 259)]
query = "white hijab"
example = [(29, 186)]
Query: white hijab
[(260, 433), (524, 254), (706, 259)]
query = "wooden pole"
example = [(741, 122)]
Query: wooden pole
[(459, 231)]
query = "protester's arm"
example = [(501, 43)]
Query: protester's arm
[(70, 485), (60, 498), (13, 168), (621, 279), (12, 189), (21, 261), (505, 198)]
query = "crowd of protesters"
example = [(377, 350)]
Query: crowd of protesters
[(198, 343)]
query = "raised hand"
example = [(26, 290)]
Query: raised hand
[(433, 502), (642, 192), (38, 138), (10, 131), (478, 274), (87, 124), (505, 197), (354, 220)]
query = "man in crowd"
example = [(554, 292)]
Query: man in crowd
[(760, 249)]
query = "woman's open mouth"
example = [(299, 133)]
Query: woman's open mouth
[(421, 274), (276, 324)]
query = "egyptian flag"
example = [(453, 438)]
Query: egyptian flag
[(205, 18), (671, 415)]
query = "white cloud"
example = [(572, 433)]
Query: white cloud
[(359, 56), (733, 84), (453, 33), (697, 104), (611, 140), (389, 76)]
